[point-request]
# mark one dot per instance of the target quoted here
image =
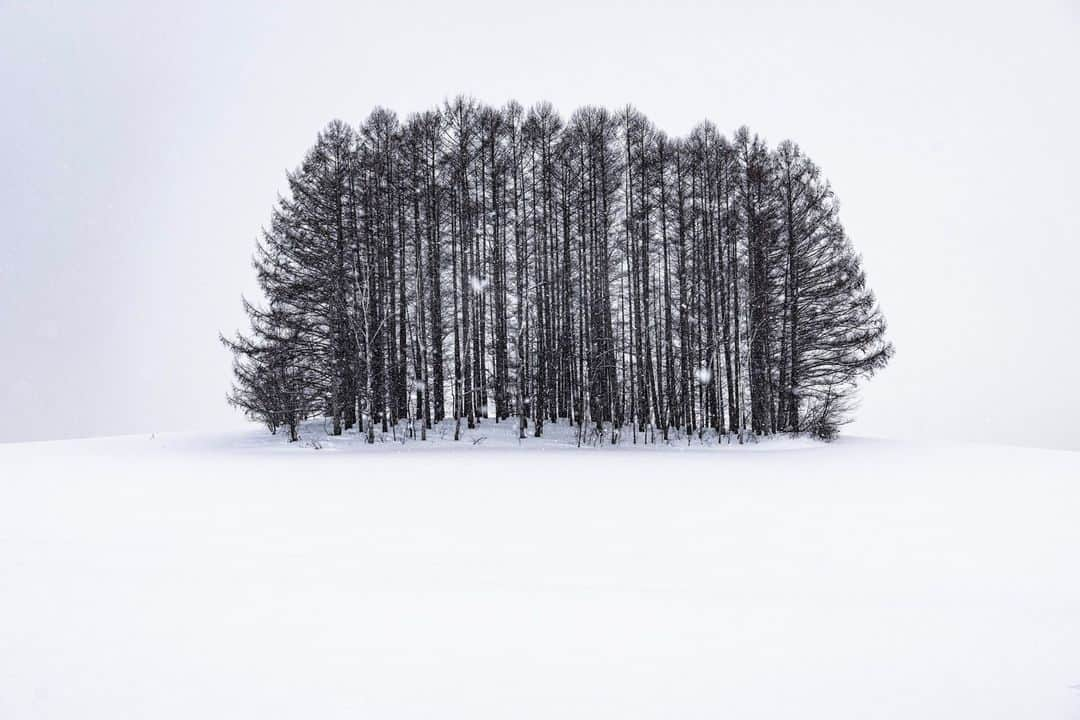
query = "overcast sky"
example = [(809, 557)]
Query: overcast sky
[(143, 146)]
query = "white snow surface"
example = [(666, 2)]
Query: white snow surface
[(234, 575)]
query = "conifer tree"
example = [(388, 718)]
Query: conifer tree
[(591, 271)]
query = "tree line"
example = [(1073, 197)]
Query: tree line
[(481, 264)]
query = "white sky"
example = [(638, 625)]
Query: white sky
[(141, 149)]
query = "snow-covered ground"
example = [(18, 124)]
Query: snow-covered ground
[(236, 576)]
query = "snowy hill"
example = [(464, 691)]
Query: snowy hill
[(236, 576)]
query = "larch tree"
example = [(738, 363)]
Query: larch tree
[(506, 263)]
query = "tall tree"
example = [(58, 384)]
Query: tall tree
[(594, 272)]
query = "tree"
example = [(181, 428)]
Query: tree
[(595, 272)]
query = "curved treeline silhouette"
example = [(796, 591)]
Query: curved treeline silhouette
[(488, 265)]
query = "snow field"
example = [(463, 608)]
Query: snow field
[(235, 576)]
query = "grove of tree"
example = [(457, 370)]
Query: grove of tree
[(475, 264)]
